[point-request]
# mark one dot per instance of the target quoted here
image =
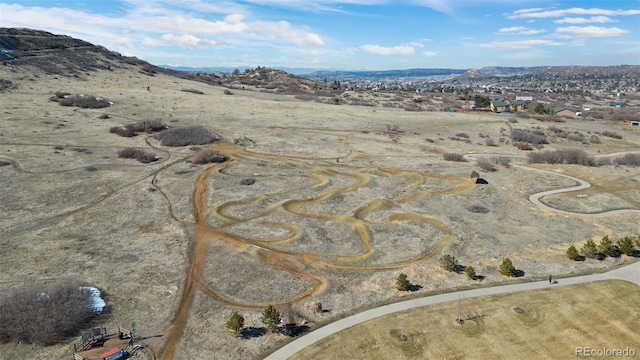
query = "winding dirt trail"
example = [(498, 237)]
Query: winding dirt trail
[(303, 263), (298, 263)]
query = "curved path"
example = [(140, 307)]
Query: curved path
[(535, 198), (629, 273)]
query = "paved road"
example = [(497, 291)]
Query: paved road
[(629, 273)]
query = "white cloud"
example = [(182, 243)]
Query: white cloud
[(539, 13), (414, 44), (580, 20), (429, 53), (283, 31), (231, 24), (191, 42), (589, 32), (395, 50), (519, 30), (520, 44)]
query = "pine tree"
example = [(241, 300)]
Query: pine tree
[(607, 247), (572, 253), (589, 249), (270, 318), (403, 283), (448, 262), (235, 322), (625, 245), (507, 268), (471, 272)]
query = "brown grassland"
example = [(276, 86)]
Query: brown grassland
[(540, 324), (344, 199)]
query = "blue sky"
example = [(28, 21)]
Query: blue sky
[(346, 34)]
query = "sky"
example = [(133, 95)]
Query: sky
[(346, 34)]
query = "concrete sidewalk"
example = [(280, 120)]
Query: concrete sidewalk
[(629, 273)]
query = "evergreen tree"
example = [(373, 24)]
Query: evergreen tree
[(572, 253), (507, 268), (471, 272), (607, 247), (589, 249), (270, 318), (402, 283), (625, 245), (448, 262), (235, 322)]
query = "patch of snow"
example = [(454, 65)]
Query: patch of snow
[(96, 298)]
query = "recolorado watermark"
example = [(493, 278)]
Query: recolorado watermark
[(585, 351)]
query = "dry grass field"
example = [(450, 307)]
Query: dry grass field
[(344, 198), (540, 324)]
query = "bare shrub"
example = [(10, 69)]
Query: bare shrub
[(575, 137), (477, 209), (595, 139), (462, 135), (562, 156), (83, 101), (206, 156), (611, 134), (523, 146), (454, 157), (604, 161), (485, 165), (147, 126), (490, 142), (147, 157), (628, 160), (227, 92), (501, 160), (122, 131), (45, 314), (522, 135), (193, 91), (187, 135), (139, 154)]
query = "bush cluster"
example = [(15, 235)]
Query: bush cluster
[(501, 160), (477, 209), (45, 315), (141, 155), (527, 136), (611, 134), (628, 160), (562, 156), (147, 126), (187, 135), (206, 156), (485, 165), (82, 101), (454, 157)]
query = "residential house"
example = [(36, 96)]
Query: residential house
[(516, 104), (562, 111), (499, 104)]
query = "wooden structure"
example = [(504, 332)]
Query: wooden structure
[(90, 338)]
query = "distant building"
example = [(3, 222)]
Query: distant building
[(524, 98), (499, 104), (516, 104), (618, 104), (562, 111)]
